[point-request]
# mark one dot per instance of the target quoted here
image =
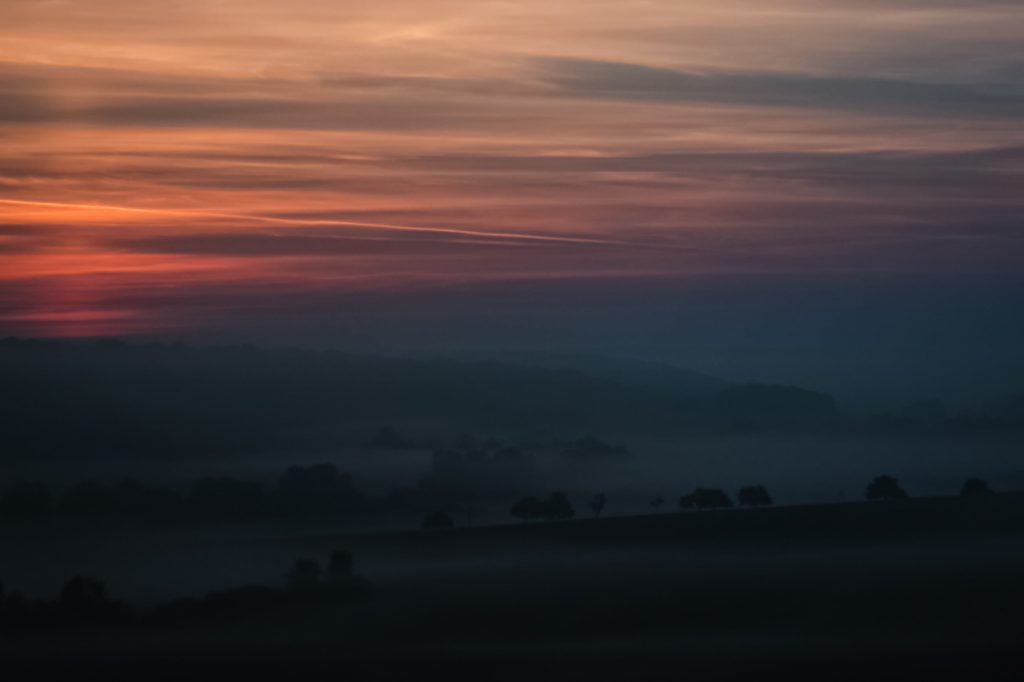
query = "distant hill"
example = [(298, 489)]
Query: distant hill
[(73, 399), (626, 371)]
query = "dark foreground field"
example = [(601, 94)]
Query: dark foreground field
[(915, 589)]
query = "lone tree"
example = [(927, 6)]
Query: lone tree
[(885, 488), (437, 520), (754, 496), (526, 509), (705, 498), (84, 600), (656, 504), (387, 438), (975, 487), (557, 508), (304, 575), (597, 503)]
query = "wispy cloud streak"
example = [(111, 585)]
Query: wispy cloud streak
[(333, 145)]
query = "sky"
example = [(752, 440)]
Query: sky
[(388, 174)]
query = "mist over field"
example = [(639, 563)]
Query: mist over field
[(585, 425)]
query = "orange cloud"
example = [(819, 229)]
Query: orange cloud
[(323, 144)]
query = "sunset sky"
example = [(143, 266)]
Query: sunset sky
[(169, 167)]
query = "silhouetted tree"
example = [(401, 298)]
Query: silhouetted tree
[(884, 488), (437, 520), (712, 499), (304, 575), (656, 504), (526, 509), (597, 504), (753, 496), (705, 498), (975, 487), (316, 491), (387, 438), (557, 508), (84, 600), (82, 594), (26, 499)]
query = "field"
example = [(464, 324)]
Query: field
[(846, 591)]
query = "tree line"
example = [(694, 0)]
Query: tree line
[(557, 507), (317, 491), (321, 491), (83, 602)]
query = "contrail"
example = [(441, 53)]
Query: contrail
[(324, 222)]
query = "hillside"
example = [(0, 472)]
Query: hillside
[(821, 525), (81, 398), (625, 371)]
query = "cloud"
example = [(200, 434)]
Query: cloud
[(251, 112), (635, 82), (264, 244), (68, 95), (252, 146)]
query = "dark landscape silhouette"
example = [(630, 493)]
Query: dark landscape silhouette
[(314, 599), (492, 507), (309, 400)]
